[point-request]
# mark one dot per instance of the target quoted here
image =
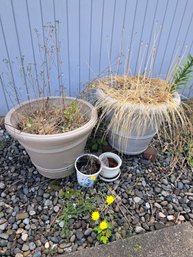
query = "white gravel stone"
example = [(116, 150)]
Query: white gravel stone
[(32, 213), (47, 245), (147, 205), (56, 208), (162, 215), (139, 229), (24, 237), (170, 217), (19, 255), (137, 199), (181, 218)]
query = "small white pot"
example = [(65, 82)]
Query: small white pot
[(87, 180), (110, 172)]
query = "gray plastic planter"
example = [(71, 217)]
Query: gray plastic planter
[(132, 143), (53, 155)]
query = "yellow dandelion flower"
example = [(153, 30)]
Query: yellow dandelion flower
[(103, 225), (92, 178), (110, 199), (95, 215)]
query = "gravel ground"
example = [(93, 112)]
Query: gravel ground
[(154, 198)]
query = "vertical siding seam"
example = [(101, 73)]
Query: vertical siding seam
[(145, 13), (46, 58), (131, 41), (112, 30), (3, 88), (191, 87), (102, 21), (151, 33), (168, 37), (10, 66), (122, 35), (57, 47), (90, 39), (20, 52), (68, 48), (187, 34), (124, 15), (32, 44), (179, 29), (79, 47)]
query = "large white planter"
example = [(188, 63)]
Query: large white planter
[(87, 180), (132, 142), (53, 155)]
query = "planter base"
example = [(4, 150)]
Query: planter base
[(56, 173), (110, 179), (132, 145)]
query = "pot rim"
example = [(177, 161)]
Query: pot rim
[(176, 97), (113, 156), (88, 175), (87, 125)]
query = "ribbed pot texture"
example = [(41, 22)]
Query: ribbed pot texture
[(53, 155)]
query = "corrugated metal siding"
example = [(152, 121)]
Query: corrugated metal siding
[(90, 35)]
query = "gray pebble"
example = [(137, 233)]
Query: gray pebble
[(2, 185), (54, 239), (4, 236), (3, 226), (165, 181), (157, 190), (88, 232), (25, 190), (48, 202), (32, 246), (172, 178), (93, 235), (26, 221), (37, 254), (3, 243), (165, 193), (90, 239), (72, 239), (79, 234), (180, 185), (11, 220)]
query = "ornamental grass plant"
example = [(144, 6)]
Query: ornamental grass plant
[(133, 103)]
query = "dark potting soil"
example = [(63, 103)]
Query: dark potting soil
[(88, 165), (112, 163)]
